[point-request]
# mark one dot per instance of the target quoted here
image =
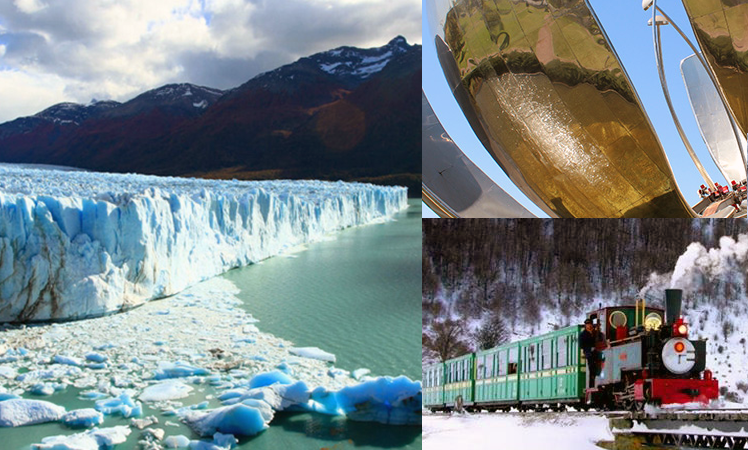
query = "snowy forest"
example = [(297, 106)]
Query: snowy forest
[(491, 281)]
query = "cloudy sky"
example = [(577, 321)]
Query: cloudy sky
[(77, 50)]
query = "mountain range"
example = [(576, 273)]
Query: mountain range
[(348, 113)]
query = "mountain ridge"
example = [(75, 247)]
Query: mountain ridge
[(288, 122)]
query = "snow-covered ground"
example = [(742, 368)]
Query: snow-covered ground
[(83, 244), (514, 431)]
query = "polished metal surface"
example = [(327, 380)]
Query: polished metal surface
[(721, 28), (545, 93), (452, 185), (713, 120)]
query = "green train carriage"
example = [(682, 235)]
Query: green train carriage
[(553, 368), (459, 381)]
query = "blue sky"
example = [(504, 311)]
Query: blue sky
[(626, 25)]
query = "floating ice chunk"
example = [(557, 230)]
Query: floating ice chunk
[(227, 441), (67, 360), (313, 353), (155, 433), (169, 390), (96, 357), (122, 405), (104, 438), (96, 366), (7, 396), (177, 370), (245, 419), (8, 372), (337, 373), (359, 373), (48, 374), (46, 388), (179, 441), (394, 401), (91, 395), (268, 378), (142, 423), (83, 418), (20, 412)]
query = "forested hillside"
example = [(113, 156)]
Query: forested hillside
[(492, 280)]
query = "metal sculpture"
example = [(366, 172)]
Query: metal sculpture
[(545, 92)]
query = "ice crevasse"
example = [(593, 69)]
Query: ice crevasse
[(83, 244)]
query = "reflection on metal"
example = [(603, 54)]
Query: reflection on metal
[(452, 185), (713, 120), (555, 108), (656, 37), (721, 28)]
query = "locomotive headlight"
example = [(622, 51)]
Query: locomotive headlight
[(678, 355), (682, 329)]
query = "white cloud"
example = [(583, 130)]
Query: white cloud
[(38, 93), (114, 50), (29, 6)]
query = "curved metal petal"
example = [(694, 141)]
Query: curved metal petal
[(556, 108), (713, 120), (721, 28), (452, 185)]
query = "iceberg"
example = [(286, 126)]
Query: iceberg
[(95, 439), (313, 353), (75, 245), (392, 401), (244, 419), (21, 412), (169, 390), (83, 418)]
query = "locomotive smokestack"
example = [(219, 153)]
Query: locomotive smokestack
[(673, 299)]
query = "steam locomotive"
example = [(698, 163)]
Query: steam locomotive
[(644, 359)]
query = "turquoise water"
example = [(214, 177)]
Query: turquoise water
[(357, 296)]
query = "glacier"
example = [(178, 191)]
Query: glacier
[(76, 245)]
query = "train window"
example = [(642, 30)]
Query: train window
[(561, 352), (502, 363), (513, 355), (479, 374), (468, 366), (489, 366), (533, 359), (547, 360)]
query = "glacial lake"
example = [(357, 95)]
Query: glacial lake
[(356, 295)]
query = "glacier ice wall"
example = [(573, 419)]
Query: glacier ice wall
[(83, 244)]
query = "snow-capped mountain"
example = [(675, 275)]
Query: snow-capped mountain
[(349, 65), (75, 113), (177, 99), (347, 113)]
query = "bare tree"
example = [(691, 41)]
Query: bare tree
[(448, 340)]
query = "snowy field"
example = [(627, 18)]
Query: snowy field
[(514, 431), (84, 244), (166, 351)]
